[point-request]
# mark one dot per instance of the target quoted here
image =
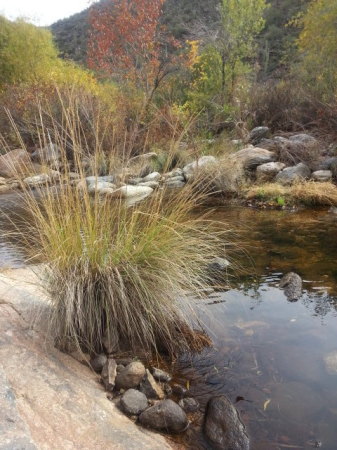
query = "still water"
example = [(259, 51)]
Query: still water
[(276, 360)]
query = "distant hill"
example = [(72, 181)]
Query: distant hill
[(71, 34)]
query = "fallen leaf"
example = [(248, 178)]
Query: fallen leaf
[(266, 403)]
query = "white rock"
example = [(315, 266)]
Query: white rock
[(37, 180), (197, 165), (151, 184), (322, 175), (154, 176), (101, 187), (268, 171), (133, 191)]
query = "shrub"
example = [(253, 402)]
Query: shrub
[(119, 272)]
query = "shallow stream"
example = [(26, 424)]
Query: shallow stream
[(276, 360)]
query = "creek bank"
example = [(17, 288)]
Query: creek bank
[(285, 161)]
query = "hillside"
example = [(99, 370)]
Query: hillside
[(180, 15)]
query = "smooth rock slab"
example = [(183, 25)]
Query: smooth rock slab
[(165, 415), (133, 402), (154, 176), (223, 426), (54, 401), (322, 175), (131, 376)]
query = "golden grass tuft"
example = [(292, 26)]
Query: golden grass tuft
[(309, 193)]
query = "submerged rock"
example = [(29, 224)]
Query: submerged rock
[(217, 268), (150, 387), (133, 402), (223, 426), (165, 415), (109, 373), (330, 361), (292, 285), (131, 376)]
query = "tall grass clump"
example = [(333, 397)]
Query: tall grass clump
[(118, 273)]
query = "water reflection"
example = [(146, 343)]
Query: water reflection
[(276, 359)]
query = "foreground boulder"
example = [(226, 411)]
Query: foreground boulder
[(165, 415), (199, 164), (48, 400), (133, 402), (268, 171), (291, 175), (223, 426), (251, 157), (15, 163), (292, 285), (131, 376)]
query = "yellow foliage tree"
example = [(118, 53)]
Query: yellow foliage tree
[(318, 47)]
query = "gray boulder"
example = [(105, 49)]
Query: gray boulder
[(189, 404), (292, 285), (150, 387), (151, 184), (98, 362), (303, 139), (101, 188), (268, 171), (165, 415), (175, 184), (251, 157), (328, 164), (257, 134), (131, 376), (133, 402), (223, 426), (294, 174), (198, 165), (217, 268), (322, 175)]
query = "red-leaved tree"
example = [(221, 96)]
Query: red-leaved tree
[(127, 43)]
